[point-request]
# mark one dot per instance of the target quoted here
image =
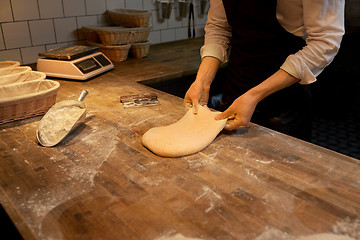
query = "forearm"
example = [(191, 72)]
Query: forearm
[(242, 109), (274, 83), (207, 71), (200, 88)]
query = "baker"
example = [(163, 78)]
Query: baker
[(278, 47)]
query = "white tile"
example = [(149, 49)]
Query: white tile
[(167, 35), (81, 42), (95, 7), (31, 54), (134, 4), (85, 21), (51, 9), (2, 44), (149, 4), (174, 21), (10, 55), (57, 45), (74, 8), (199, 31), (112, 4), (181, 33), (201, 19), (42, 32), (157, 22), (104, 19), (198, 22), (154, 37), (25, 9), (185, 21), (65, 29), (16, 35), (5, 11)]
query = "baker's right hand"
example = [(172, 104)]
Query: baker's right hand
[(197, 94), (239, 113)]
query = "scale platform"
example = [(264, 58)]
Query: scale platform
[(75, 62)]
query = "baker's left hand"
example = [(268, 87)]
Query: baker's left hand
[(198, 93)]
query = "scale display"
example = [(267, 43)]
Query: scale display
[(60, 63), (88, 65)]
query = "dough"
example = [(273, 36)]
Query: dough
[(190, 134)]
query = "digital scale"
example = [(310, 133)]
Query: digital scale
[(75, 62)]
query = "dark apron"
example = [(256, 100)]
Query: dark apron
[(259, 46)]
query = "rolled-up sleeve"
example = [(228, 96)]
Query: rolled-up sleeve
[(324, 29), (217, 33)]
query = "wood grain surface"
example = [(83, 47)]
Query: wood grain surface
[(165, 61), (101, 183)]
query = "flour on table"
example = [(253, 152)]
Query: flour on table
[(56, 124), (273, 233), (177, 236), (326, 236), (190, 134)]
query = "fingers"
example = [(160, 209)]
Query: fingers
[(195, 107), (192, 104), (196, 94), (234, 120), (192, 101), (231, 125), (188, 103), (226, 114)]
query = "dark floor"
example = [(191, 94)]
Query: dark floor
[(8, 230), (341, 135), (336, 95)]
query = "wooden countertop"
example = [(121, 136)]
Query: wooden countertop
[(165, 61), (101, 183)]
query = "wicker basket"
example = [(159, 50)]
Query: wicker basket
[(91, 34), (21, 77), (14, 70), (7, 64), (140, 50), (27, 99), (121, 35), (130, 17), (116, 53)]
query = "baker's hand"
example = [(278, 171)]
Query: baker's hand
[(198, 93), (239, 113)]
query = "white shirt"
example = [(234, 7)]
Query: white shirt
[(319, 22)]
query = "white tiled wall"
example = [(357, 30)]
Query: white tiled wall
[(28, 27)]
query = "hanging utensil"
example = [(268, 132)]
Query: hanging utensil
[(191, 17), (166, 6), (183, 6)]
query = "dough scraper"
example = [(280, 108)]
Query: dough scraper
[(139, 100)]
